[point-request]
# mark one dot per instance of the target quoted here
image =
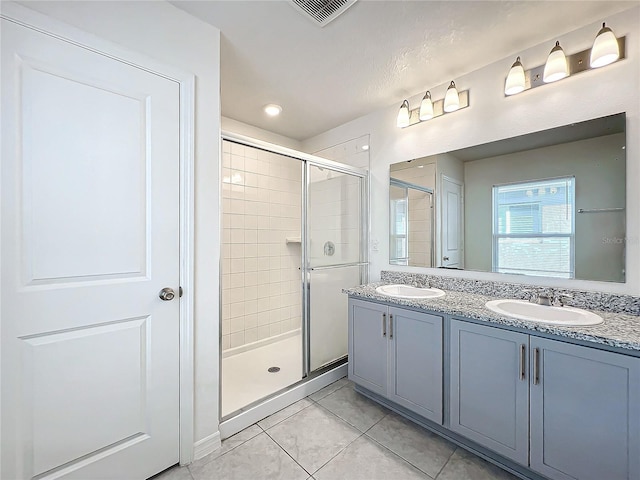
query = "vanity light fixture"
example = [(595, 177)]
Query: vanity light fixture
[(429, 108), (451, 99), (426, 107), (403, 115), (556, 67), (515, 80), (606, 49)]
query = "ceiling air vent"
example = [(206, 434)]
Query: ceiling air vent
[(322, 12)]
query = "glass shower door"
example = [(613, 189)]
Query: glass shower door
[(335, 259)]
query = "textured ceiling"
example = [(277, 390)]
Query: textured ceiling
[(374, 55)]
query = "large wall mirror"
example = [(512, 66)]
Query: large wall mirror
[(550, 203)]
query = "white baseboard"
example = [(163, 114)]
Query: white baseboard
[(271, 406), (207, 445)]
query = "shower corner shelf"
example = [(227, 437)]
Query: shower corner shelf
[(293, 240)]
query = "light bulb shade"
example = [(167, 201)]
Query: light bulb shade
[(403, 115), (426, 107), (556, 67), (451, 99), (605, 48), (515, 80)]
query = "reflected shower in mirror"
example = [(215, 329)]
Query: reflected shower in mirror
[(410, 205), (549, 203)]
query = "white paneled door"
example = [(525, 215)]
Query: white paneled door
[(90, 236)]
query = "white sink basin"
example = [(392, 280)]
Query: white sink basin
[(524, 310), (407, 291)]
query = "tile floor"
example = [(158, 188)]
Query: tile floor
[(337, 434)]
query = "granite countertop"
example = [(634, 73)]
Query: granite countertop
[(618, 330)]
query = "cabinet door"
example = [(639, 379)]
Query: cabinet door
[(488, 391), (415, 362), (368, 345), (585, 412)]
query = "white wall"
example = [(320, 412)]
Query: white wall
[(161, 31), (230, 125), (492, 116)]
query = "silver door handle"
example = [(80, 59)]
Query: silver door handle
[(523, 361), (536, 366), (167, 294), (391, 325), (384, 324)]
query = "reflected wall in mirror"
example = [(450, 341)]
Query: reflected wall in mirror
[(549, 203)]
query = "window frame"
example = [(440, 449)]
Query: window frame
[(495, 237)]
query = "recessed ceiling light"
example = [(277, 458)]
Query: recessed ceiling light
[(365, 147), (272, 109)]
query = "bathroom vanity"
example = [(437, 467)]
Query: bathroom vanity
[(545, 401)]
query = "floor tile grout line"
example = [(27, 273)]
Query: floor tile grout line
[(313, 402), (338, 453), (341, 419), (447, 462), (325, 396), (287, 418), (230, 450), (404, 459), (288, 454)]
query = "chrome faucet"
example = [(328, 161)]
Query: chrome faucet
[(541, 297), (563, 299), (548, 299), (544, 299)]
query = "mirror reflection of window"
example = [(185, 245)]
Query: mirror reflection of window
[(399, 223), (533, 228)]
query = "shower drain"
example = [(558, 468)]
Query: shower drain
[(273, 369)]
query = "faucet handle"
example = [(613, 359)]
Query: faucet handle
[(564, 299)]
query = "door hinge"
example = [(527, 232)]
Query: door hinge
[(179, 292)]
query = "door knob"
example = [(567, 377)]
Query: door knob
[(167, 294)]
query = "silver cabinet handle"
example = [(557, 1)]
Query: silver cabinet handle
[(536, 366), (384, 324), (523, 361), (391, 325), (167, 294)]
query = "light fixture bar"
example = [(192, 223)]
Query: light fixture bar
[(438, 109), (578, 63)]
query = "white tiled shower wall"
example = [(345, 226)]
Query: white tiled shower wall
[(334, 216), (262, 194)]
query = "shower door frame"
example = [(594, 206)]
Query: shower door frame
[(363, 261), (308, 161)]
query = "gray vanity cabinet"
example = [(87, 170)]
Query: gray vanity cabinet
[(489, 390), (415, 362), (566, 411), (397, 353), (585, 412), (368, 345)]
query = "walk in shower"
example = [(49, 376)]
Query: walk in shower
[(293, 235)]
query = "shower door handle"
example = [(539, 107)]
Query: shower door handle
[(384, 324)]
